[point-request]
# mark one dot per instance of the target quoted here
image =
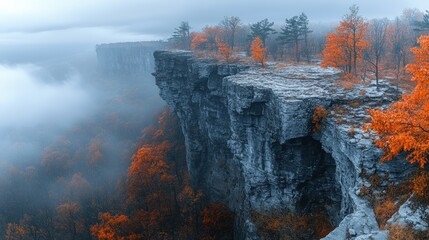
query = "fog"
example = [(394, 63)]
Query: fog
[(40, 21), (68, 128), (66, 123), (35, 107), (27, 100)]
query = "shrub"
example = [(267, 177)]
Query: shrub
[(420, 186), (398, 232), (284, 225), (384, 210), (319, 115), (351, 132)]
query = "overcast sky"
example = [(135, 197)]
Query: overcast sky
[(61, 22)]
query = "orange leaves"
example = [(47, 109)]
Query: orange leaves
[(148, 170), (95, 152), (344, 48), (420, 68), (281, 224), (333, 54), (209, 43), (205, 40), (112, 228), (199, 41), (384, 211), (420, 185), (218, 219), (225, 52), (258, 51), (404, 126), (319, 115), (15, 231)]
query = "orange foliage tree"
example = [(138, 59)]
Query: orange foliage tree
[(199, 41), (224, 50), (344, 48), (148, 172), (319, 115), (258, 51), (217, 220), (70, 219), (207, 39), (115, 227), (404, 126)]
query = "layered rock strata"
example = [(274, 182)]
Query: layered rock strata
[(250, 141)]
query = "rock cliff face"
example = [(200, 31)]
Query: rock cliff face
[(250, 142), (129, 59)]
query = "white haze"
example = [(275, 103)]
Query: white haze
[(34, 107), (26, 101)]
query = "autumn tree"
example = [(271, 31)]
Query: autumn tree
[(218, 221), (207, 39), (224, 50), (404, 126), (377, 33), (262, 30), (95, 152), (69, 219), (199, 41), (113, 227), (344, 48), (147, 172), (15, 232), (258, 51), (231, 25)]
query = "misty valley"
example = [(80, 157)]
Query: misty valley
[(167, 120)]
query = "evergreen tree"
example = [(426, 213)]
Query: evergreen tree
[(305, 30), (423, 25), (262, 29), (182, 36), (291, 34), (295, 30)]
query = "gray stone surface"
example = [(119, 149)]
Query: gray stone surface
[(411, 215), (250, 143)]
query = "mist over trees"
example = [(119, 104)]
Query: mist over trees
[(110, 162)]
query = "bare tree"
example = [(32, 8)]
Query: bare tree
[(398, 42), (357, 26), (377, 32), (231, 25)]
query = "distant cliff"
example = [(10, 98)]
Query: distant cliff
[(250, 142), (129, 58)]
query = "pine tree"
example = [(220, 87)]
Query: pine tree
[(182, 36), (262, 30)]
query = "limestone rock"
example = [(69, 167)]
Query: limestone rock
[(250, 143)]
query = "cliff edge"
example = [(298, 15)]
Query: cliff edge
[(250, 141)]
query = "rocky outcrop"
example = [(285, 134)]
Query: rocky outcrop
[(250, 143), (128, 58)]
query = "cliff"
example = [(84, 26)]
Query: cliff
[(249, 139), (128, 58)]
